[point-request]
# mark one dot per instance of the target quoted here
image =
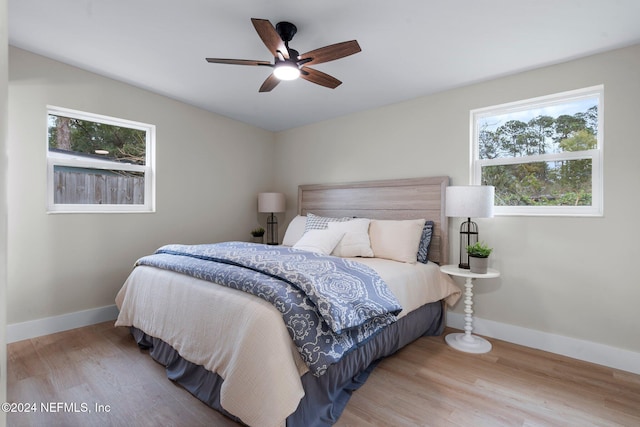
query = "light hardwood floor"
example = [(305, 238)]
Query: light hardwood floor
[(425, 384)]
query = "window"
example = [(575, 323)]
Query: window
[(543, 155), (98, 163)]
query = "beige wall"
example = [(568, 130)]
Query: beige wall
[(3, 205), (568, 276), (209, 171)]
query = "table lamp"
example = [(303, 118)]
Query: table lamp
[(467, 201), (271, 203)]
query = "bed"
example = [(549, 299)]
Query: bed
[(229, 346)]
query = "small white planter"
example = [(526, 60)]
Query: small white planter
[(478, 265)]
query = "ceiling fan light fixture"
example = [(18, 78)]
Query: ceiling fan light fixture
[(286, 71)]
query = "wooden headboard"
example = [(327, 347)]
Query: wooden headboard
[(411, 198)]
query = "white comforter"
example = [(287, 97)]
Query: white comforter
[(242, 338)]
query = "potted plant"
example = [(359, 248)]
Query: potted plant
[(479, 257), (257, 234)]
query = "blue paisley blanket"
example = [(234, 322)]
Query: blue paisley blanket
[(330, 305)]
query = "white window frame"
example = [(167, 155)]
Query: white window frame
[(595, 155), (61, 159)]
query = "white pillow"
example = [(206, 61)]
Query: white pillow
[(397, 240), (295, 230), (355, 241), (321, 241)]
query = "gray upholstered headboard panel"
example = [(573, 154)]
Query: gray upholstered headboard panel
[(388, 199)]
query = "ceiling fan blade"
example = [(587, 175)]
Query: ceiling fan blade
[(320, 78), (237, 61), (330, 53), (270, 37), (271, 82)]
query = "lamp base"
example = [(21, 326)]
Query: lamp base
[(468, 237), (272, 229)]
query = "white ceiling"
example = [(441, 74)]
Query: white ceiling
[(410, 48)]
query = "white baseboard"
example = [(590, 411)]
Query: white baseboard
[(578, 349), (64, 322), (588, 351)]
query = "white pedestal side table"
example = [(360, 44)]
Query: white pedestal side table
[(466, 341)]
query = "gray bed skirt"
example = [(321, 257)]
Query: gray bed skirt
[(325, 396)]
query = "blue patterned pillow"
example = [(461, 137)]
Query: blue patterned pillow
[(425, 242), (315, 222)]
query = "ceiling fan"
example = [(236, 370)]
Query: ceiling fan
[(288, 64)]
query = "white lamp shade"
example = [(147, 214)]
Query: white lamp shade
[(271, 202), (470, 201)]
